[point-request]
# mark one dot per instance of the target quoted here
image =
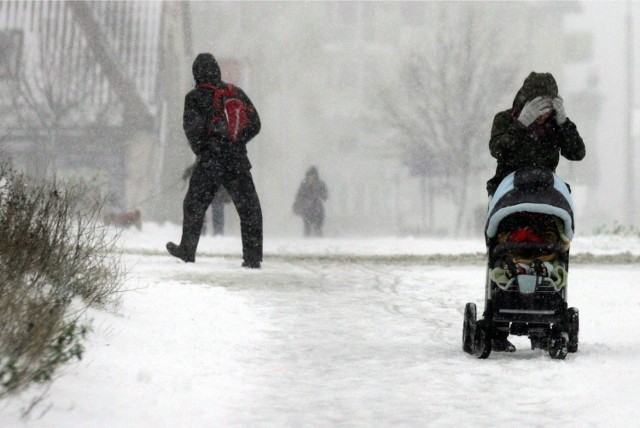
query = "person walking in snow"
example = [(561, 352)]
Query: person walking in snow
[(219, 120), (535, 131), (308, 203), (217, 205)]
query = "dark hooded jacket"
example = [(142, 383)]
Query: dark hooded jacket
[(516, 146), (198, 112)]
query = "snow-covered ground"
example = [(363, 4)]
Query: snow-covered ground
[(338, 332)]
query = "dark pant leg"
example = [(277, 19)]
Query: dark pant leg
[(202, 187), (318, 228), (245, 198), (318, 225), (501, 330), (307, 226), (217, 214), (203, 232)]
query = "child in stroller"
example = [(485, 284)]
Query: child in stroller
[(528, 234)]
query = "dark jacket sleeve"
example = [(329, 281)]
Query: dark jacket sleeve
[(194, 124), (298, 204), (507, 137), (571, 144), (254, 118), (323, 191)]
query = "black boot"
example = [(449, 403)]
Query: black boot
[(251, 264), (181, 253), (501, 344)]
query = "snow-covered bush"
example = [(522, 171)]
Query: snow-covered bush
[(617, 229), (56, 259)]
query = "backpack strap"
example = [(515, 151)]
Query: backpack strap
[(217, 94), (231, 91)]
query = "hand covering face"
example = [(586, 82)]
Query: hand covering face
[(534, 109), (558, 106)]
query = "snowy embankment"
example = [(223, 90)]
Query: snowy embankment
[(326, 341)]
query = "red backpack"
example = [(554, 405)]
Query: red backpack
[(229, 111)]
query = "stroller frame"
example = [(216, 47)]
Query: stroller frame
[(529, 304)]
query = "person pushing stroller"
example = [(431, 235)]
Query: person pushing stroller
[(534, 132)]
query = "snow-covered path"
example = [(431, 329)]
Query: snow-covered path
[(325, 343)]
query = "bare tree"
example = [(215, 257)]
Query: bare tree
[(45, 100), (442, 110), (54, 93)]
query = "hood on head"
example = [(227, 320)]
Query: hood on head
[(206, 69), (312, 171), (535, 85)]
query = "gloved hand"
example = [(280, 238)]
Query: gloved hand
[(561, 115), (533, 109)]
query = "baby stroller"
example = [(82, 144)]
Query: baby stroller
[(528, 233)]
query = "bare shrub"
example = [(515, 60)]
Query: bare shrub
[(56, 259)]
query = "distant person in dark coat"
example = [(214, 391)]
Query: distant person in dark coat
[(535, 131), (217, 205), (219, 120), (308, 203)]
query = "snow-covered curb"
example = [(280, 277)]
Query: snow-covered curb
[(152, 238)]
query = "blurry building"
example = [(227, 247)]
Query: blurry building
[(95, 90), (605, 66)]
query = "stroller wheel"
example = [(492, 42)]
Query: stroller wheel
[(469, 327), (482, 339), (573, 327), (558, 343)]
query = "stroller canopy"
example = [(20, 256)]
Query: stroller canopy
[(533, 190)]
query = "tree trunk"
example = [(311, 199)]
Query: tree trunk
[(461, 200), (430, 204), (51, 151), (423, 204)]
